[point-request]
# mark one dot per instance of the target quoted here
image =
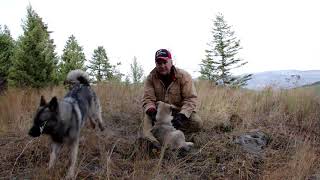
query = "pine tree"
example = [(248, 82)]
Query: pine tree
[(34, 60), (127, 80), (116, 74), (99, 66), (221, 57), (136, 71), (72, 58), (208, 67), (6, 51)]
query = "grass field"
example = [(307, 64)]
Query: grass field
[(318, 89), (290, 118), (314, 87)]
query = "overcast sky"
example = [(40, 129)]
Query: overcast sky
[(274, 34)]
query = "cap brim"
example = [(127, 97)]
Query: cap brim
[(163, 58)]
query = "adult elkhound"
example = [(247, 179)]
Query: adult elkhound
[(165, 133), (63, 119)]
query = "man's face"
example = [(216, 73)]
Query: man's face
[(163, 66)]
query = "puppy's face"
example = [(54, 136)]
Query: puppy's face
[(45, 118), (164, 111)]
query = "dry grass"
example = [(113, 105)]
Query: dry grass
[(290, 118)]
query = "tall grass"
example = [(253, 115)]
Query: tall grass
[(289, 117)]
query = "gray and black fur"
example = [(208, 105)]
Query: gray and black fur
[(165, 133), (62, 120)]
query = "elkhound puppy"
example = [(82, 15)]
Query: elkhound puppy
[(63, 119), (165, 133)]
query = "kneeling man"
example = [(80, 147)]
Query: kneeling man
[(173, 86)]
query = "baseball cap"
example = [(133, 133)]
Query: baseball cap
[(163, 54)]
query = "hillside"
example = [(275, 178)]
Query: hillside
[(283, 79), (289, 120), (314, 86)]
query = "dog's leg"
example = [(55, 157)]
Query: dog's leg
[(74, 153), (100, 123), (92, 122), (55, 148)]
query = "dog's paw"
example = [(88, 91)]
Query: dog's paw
[(190, 144), (186, 147), (101, 127), (70, 175)]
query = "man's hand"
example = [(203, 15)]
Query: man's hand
[(152, 112), (178, 120)]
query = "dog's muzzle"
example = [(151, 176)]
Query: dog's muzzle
[(35, 131)]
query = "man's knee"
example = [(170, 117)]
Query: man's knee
[(196, 123), (193, 124)]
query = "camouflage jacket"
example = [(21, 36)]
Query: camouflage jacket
[(181, 92)]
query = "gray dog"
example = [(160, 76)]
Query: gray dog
[(62, 120), (165, 133)]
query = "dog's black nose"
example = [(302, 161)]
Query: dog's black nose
[(34, 132)]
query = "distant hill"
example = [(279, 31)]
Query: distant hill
[(284, 79), (312, 85), (315, 86)]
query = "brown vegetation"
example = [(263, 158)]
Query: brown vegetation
[(290, 118)]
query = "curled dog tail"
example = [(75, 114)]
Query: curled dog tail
[(78, 76)]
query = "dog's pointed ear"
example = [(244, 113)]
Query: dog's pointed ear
[(53, 104), (42, 101)]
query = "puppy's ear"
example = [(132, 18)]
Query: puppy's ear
[(53, 104), (173, 107), (157, 103), (42, 101)]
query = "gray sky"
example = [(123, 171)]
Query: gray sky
[(274, 34)]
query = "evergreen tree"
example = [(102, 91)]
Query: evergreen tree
[(116, 74), (136, 71), (208, 67), (72, 58), (221, 57), (6, 51), (99, 66), (127, 80), (34, 60)]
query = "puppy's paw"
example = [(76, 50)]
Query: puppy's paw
[(190, 144)]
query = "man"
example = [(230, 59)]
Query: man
[(174, 86)]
